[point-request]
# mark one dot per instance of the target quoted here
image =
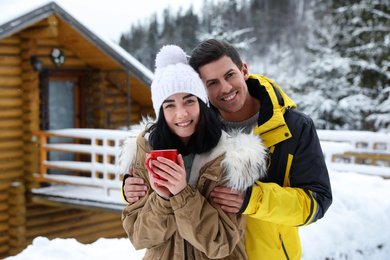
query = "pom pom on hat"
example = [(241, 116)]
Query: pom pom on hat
[(174, 75), (170, 54)]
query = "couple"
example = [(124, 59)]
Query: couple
[(188, 216)]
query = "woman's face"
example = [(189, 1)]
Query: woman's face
[(181, 112)]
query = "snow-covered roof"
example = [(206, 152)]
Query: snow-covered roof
[(22, 16)]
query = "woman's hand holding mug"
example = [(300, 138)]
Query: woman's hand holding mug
[(166, 169)]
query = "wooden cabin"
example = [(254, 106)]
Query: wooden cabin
[(54, 74)]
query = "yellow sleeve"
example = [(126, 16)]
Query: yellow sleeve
[(282, 205)]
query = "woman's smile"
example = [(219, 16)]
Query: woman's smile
[(184, 124)]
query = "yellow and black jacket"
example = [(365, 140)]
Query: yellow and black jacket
[(296, 191)]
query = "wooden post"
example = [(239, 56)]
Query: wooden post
[(31, 101), (4, 219), (43, 153), (17, 218)]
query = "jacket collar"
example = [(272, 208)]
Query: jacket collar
[(274, 103)]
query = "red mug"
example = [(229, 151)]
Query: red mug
[(170, 154)]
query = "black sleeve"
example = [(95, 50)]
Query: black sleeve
[(308, 170), (123, 184), (248, 194)]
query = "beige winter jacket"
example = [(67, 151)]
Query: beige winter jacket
[(190, 225)]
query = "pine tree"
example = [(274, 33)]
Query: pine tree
[(152, 42), (349, 76), (168, 28), (222, 26), (369, 45), (186, 27), (133, 42)]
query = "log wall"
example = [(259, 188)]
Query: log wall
[(70, 222), (109, 103), (4, 220), (12, 189), (11, 114), (21, 220)]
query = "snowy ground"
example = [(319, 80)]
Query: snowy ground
[(356, 226)]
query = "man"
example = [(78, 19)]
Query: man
[(296, 191)]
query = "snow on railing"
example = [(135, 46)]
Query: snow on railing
[(364, 152), (103, 148), (343, 150)]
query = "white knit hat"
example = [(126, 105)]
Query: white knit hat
[(173, 75)]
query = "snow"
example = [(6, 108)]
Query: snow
[(58, 249), (85, 195), (356, 226), (82, 148), (90, 133), (83, 166)]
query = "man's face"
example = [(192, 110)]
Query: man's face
[(226, 87)]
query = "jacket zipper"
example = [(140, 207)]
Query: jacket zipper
[(284, 248), (185, 250), (271, 129)]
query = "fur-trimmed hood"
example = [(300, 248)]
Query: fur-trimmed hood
[(129, 146), (244, 162), (245, 159)]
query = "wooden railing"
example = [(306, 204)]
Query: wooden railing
[(363, 151), (96, 153)]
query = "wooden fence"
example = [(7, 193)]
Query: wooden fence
[(96, 153), (362, 151), (83, 201), (359, 151)]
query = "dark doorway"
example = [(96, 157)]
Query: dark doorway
[(61, 108)]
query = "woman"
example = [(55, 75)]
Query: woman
[(177, 219)]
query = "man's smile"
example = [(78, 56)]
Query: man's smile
[(232, 96)]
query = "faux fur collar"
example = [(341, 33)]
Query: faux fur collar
[(244, 158)]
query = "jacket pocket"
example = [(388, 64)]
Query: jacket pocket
[(156, 252)]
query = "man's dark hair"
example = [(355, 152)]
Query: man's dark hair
[(212, 50), (206, 136)]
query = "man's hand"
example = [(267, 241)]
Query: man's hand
[(134, 188), (230, 200)]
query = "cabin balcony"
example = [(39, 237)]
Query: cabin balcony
[(79, 166)]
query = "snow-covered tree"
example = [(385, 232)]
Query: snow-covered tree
[(221, 23), (328, 97), (341, 47), (350, 73), (185, 30)]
